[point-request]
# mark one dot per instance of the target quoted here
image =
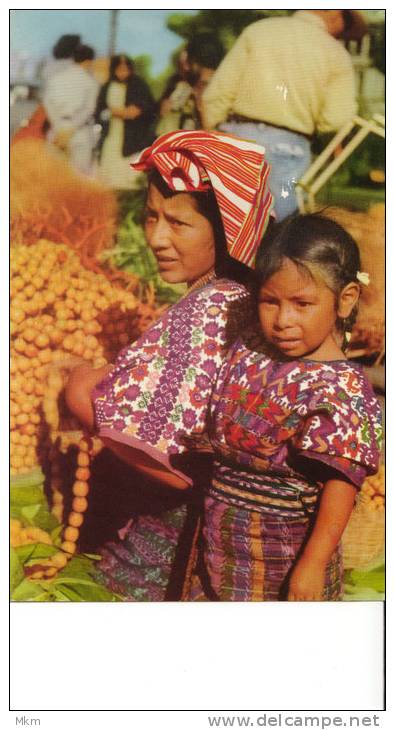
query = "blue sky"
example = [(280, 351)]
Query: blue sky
[(34, 32)]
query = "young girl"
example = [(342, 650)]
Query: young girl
[(294, 425)]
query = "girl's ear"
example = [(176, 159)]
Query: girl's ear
[(348, 299)]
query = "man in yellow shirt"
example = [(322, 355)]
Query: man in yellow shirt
[(284, 79)]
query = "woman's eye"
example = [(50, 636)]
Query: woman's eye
[(149, 217), (302, 304)]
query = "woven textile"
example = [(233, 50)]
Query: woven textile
[(249, 556), (235, 169)]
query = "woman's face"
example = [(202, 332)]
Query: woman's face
[(181, 238), (122, 71)]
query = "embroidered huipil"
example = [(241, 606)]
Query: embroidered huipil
[(273, 421)]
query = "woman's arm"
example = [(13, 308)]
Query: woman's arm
[(81, 382), (78, 391), (308, 577), (145, 464)]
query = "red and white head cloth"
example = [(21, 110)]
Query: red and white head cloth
[(236, 170)]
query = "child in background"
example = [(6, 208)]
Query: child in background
[(295, 427)]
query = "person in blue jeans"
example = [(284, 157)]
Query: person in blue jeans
[(288, 153), (285, 79)]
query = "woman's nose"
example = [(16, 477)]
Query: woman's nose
[(158, 235)]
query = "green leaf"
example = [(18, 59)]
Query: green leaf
[(66, 580), (45, 520), (89, 593), (16, 570), (372, 579), (79, 566), (56, 534), (63, 594), (30, 554), (33, 478), (27, 495), (362, 594), (92, 556), (24, 552), (29, 512), (29, 590)]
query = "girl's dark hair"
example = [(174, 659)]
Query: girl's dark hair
[(225, 265), (316, 244), (116, 60)]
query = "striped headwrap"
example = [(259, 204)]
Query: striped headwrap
[(236, 170)]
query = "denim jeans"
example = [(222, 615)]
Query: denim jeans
[(288, 153)]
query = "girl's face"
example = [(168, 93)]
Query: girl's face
[(298, 314), (122, 71), (181, 238)]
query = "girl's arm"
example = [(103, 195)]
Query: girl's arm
[(308, 577), (81, 382)]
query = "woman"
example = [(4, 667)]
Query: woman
[(126, 111), (177, 108), (208, 205)]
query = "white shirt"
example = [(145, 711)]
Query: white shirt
[(70, 98)]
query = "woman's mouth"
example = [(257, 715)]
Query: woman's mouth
[(165, 262)]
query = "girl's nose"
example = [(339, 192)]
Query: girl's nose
[(284, 316)]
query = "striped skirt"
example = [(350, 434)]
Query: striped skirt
[(249, 555)]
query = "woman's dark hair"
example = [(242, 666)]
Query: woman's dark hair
[(225, 265), (318, 246), (65, 46), (83, 53), (116, 60)]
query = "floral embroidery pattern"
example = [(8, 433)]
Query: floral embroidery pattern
[(160, 386)]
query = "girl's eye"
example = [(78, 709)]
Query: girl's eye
[(303, 304), (267, 301), (150, 217)]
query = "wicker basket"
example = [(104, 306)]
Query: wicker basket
[(364, 539)]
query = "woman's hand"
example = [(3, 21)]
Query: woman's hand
[(165, 107), (307, 581), (126, 112), (132, 112), (117, 111)]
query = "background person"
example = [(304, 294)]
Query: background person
[(284, 79), (126, 112), (70, 101), (62, 52), (177, 108)]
